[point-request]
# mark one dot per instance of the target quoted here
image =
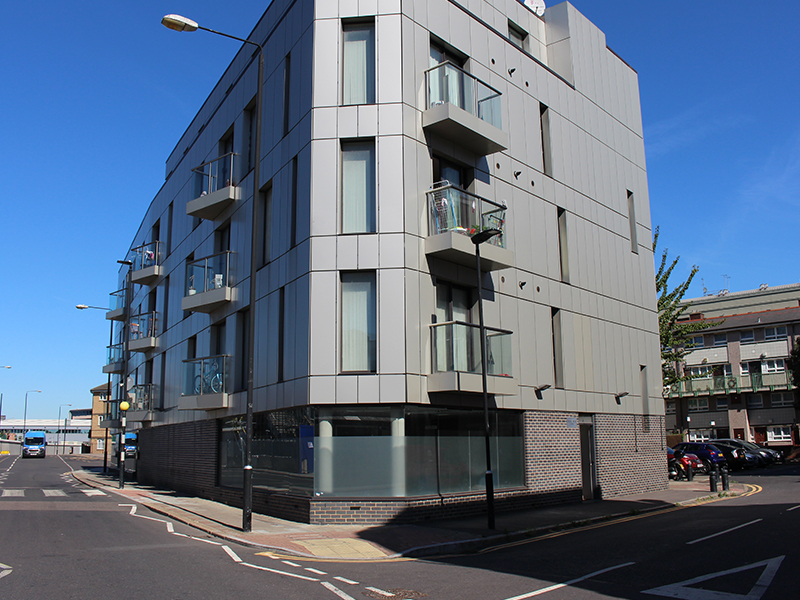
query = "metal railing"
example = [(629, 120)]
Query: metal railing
[(146, 255), (207, 375), (115, 354), (457, 347), (209, 273), (448, 84), (723, 384), (215, 174), (117, 300), (140, 397), (143, 326), (452, 209)]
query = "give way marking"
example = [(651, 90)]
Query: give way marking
[(685, 592)]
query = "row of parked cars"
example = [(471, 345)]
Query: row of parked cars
[(731, 454)]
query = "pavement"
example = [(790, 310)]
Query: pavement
[(385, 542)]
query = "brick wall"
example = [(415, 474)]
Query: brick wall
[(631, 454), (552, 453)]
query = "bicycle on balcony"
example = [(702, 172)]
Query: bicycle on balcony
[(210, 381)]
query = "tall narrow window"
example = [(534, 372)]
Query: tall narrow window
[(293, 200), (281, 331), (266, 224), (165, 311), (287, 83), (168, 248), (250, 120), (218, 335), (563, 253), (358, 187), (359, 64), (547, 158), (632, 222), (456, 349), (359, 322), (222, 238), (558, 356), (516, 35), (226, 164)]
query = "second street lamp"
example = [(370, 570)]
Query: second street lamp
[(25, 413), (58, 430), (180, 23)]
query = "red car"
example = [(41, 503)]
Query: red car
[(687, 460)]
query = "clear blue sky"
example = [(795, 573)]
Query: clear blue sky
[(96, 94)]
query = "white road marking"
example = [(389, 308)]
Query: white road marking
[(232, 554), (13, 493), (793, 508), (315, 571), (94, 492), (708, 537), (290, 563), (5, 570), (206, 541), (558, 586), (133, 508), (684, 591), (336, 591), (54, 492), (170, 528), (343, 580), (381, 592), (260, 568)]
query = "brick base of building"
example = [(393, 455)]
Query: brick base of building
[(630, 457)]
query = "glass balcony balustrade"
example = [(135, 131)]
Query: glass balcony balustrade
[(140, 398), (115, 359), (146, 261), (448, 84), (209, 273), (116, 311), (457, 347), (143, 334), (461, 108), (215, 187), (731, 384), (206, 379), (453, 209)]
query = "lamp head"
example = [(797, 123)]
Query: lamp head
[(484, 235), (123, 406), (178, 23)]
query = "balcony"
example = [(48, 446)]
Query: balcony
[(110, 422), (205, 383), (117, 306), (142, 329), (462, 108), (140, 397), (454, 216), (115, 361), (207, 283), (732, 384), (146, 260), (215, 188), (457, 359)]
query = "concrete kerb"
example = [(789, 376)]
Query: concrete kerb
[(436, 549)]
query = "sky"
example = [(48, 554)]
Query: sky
[(96, 94)]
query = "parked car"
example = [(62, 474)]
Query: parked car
[(737, 458), (709, 454), (766, 456), (688, 459)]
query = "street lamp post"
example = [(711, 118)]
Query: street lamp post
[(59, 427), (179, 23), (123, 409), (478, 239), (123, 404), (108, 391), (25, 414)]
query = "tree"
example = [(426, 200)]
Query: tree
[(793, 364), (676, 336)]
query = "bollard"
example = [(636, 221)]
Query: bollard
[(689, 473), (725, 484), (712, 479)]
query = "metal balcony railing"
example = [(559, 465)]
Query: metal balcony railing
[(719, 384), (143, 326), (448, 84), (146, 255), (457, 347), (207, 375), (209, 273), (140, 397), (453, 209), (215, 175), (116, 354)]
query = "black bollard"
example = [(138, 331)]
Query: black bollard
[(689, 473), (725, 484), (712, 479)]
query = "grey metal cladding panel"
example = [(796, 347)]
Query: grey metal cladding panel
[(772, 416)]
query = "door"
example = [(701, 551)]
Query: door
[(588, 461), (453, 304)]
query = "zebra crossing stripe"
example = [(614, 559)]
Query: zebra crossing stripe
[(13, 493), (54, 492), (94, 492)]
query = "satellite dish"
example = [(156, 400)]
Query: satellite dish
[(536, 6)]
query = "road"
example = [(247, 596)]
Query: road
[(59, 539)]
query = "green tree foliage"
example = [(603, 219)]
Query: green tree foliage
[(676, 337), (793, 364)]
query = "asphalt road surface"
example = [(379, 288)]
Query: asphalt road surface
[(59, 539)]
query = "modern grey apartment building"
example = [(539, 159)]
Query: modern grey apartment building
[(741, 387), (394, 130)]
